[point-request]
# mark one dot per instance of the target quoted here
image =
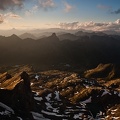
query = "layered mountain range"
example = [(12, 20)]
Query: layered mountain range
[(84, 49)]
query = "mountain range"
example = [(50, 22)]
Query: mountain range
[(46, 32), (85, 50)]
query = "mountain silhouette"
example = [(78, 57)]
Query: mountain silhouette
[(27, 35), (86, 50)]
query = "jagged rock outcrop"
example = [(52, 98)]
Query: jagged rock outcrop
[(20, 97)]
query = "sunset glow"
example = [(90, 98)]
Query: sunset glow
[(67, 14)]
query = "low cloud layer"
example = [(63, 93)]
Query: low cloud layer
[(92, 26), (73, 25), (10, 4)]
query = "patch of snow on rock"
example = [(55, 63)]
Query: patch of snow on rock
[(57, 97), (1, 88), (88, 100), (37, 77), (7, 108), (119, 94), (78, 116), (116, 118), (38, 98), (19, 118), (114, 110), (5, 112), (115, 92), (50, 113), (105, 92), (48, 97), (40, 86), (38, 116), (31, 83)]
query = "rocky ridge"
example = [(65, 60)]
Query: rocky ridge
[(56, 94)]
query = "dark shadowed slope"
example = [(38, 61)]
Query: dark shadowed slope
[(86, 50)]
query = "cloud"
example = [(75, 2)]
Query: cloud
[(46, 4), (12, 15), (73, 25), (92, 25), (1, 18), (104, 7), (7, 16), (10, 4), (32, 11), (116, 11), (68, 7), (117, 21)]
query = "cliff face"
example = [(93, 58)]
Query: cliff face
[(17, 94)]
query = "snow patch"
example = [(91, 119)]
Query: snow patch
[(78, 116), (105, 92), (7, 108), (38, 116), (1, 88), (116, 118), (19, 118), (36, 93), (88, 100), (48, 97), (37, 77), (31, 83), (40, 86), (115, 92), (5, 112), (114, 110), (50, 113), (38, 98), (49, 107), (57, 97)]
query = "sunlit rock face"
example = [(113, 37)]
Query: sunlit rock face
[(18, 96)]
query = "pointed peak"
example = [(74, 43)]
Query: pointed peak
[(13, 36), (54, 34)]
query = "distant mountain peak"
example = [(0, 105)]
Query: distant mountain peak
[(27, 35), (52, 38), (13, 36), (53, 35)]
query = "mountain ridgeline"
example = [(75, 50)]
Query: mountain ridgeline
[(79, 48)]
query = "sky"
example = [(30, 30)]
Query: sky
[(94, 15)]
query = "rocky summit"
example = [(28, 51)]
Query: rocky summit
[(57, 94)]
